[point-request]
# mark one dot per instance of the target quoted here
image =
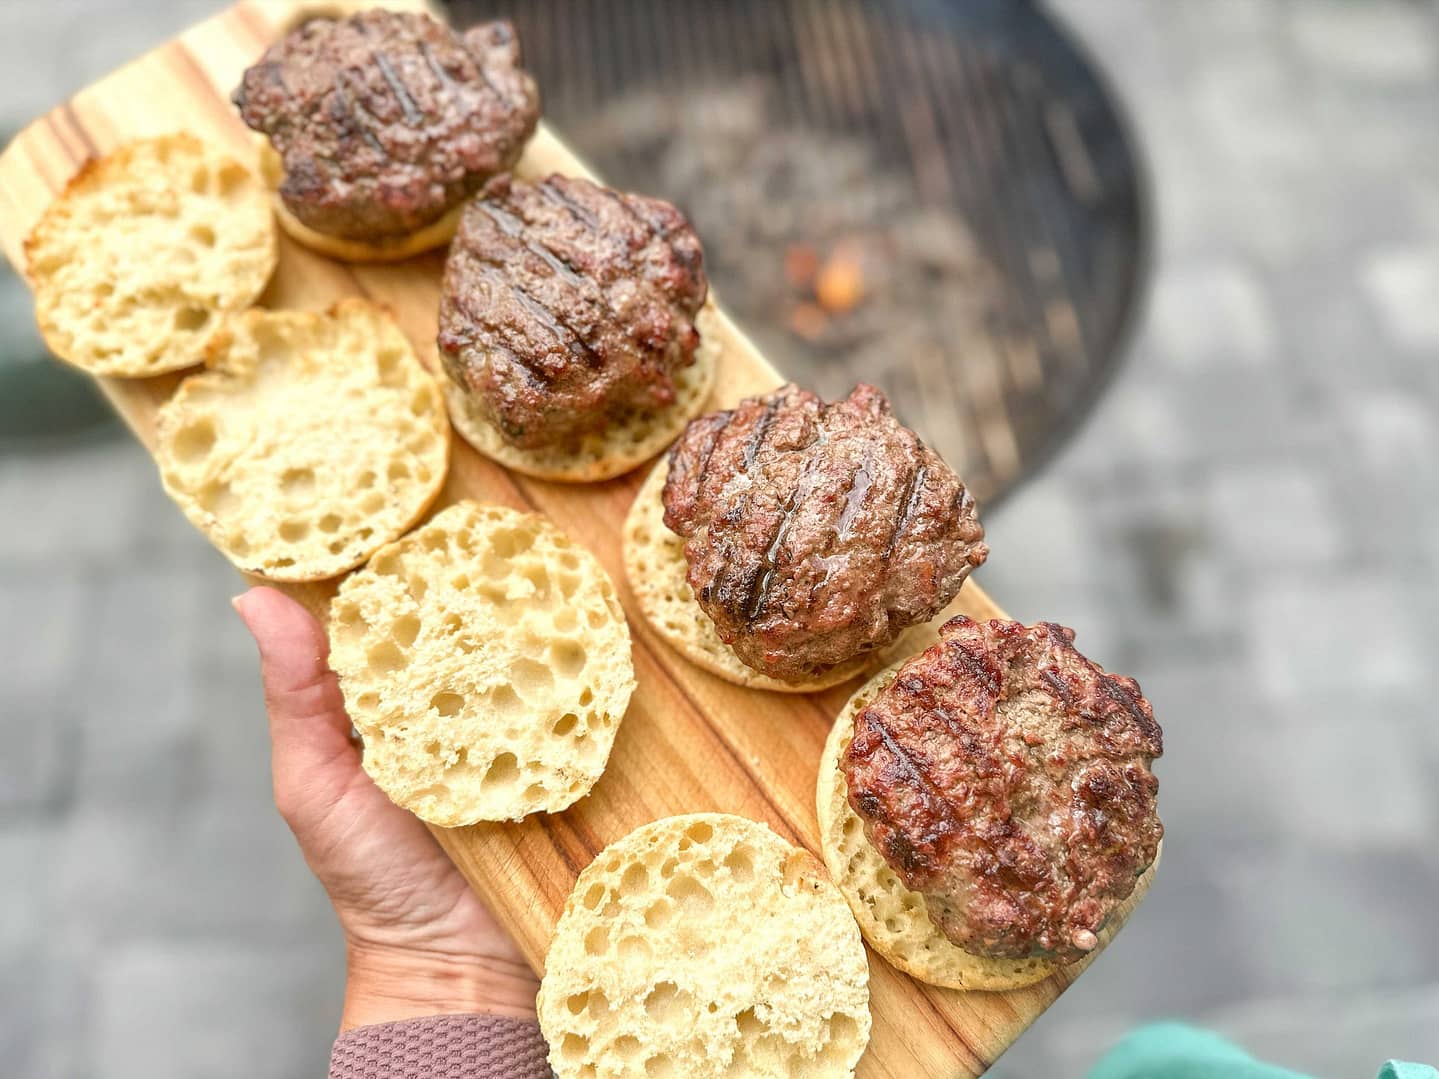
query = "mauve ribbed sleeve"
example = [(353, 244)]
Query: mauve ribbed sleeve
[(442, 1047)]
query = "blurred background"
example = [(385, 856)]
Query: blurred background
[(1162, 280)]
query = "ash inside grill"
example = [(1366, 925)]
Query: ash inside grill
[(935, 197)]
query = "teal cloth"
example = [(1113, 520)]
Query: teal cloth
[(1397, 1069), (1176, 1051)]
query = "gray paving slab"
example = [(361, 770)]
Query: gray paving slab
[(164, 1010), (1224, 296), (61, 994), (1355, 632), (1275, 515), (1401, 282), (38, 722), (25, 850), (1385, 43), (1328, 918), (92, 499), (1336, 1037)]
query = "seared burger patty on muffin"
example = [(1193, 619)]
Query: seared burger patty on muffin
[(815, 532), (1007, 778), (385, 121), (565, 304)]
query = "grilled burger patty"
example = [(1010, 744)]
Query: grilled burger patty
[(1007, 778), (387, 120), (565, 303), (815, 532)]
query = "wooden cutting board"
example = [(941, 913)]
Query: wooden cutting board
[(689, 742)]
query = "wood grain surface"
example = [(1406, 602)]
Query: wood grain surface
[(689, 742)]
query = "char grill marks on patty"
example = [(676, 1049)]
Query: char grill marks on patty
[(815, 532), (565, 304), (1007, 778), (387, 120)]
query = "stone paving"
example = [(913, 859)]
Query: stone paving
[(1244, 524)]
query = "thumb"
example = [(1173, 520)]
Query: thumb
[(312, 757)]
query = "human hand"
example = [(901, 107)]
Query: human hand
[(418, 940)]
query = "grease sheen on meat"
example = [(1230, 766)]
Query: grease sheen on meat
[(565, 303), (387, 120), (1007, 778), (815, 532)]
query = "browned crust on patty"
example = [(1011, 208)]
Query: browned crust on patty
[(387, 120), (567, 307), (816, 532), (1007, 778)]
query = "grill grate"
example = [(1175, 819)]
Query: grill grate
[(934, 196)]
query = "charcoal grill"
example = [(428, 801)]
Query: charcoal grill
[(938, 197)]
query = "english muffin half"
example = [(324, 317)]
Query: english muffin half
[(137, 262), (485, 661), (311, 441), (705, 946)]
